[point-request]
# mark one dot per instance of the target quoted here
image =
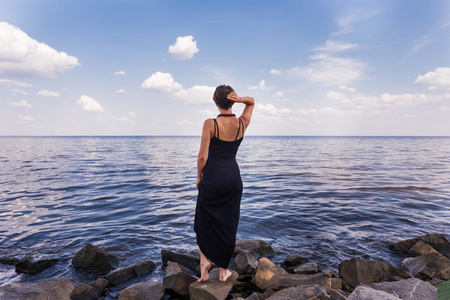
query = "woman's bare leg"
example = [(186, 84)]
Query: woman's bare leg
[(205, 265), (224, 274)]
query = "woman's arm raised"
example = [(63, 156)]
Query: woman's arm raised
[(249, 105)]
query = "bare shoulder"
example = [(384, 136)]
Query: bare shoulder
[(208, 123)]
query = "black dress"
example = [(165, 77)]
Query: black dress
[(219, 200)]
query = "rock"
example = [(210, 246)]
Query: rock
[(146, 290), (428, 266), (174, 267), (420, 248), (290, 263), (99, 284), (26, 265), (338, 295), (438, 241), (213, 289), (84, 291), (283, 281), (364, 292), (311, 291), (408, 289), (435, 282), (177, 283), (54, 288), (125, 274), (264, 272), (307, 268), (187, 260), (244, 263), (9, 260), (244, 287), (336, 283), (94, 259), (259, 296), (357, 271), (257, 248)]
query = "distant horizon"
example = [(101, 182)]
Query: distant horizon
[(101, 136)]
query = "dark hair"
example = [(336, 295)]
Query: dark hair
[(220, 96)]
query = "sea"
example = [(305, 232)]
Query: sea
[(326, 198)]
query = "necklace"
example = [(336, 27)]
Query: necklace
[(226, 115)]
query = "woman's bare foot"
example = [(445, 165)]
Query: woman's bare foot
[(224, 274), (204, 268)]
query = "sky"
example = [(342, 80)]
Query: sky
[(110, 67)]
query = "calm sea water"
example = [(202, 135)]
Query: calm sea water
[(326, 198)]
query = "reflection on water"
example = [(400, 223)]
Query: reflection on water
[(327, 198)]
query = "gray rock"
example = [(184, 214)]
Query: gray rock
[(337, 294), (189, 261), (264, 272), (364, 292), (283, 281), (9, 260), (99, 284), (94, 259), (125, 274), (438, 241), (293, 261), (420, 248), (311, 291), (244, 263), (435, 282), (54, 288), (174, 267), (84, 291), (177, 283), (146, 290), (408, 289), (428, 266), (26, 265), (213, 289), (356, 271), (336, 283), (307, 268), (257, 248)]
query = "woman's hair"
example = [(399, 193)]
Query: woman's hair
[(220, 96)]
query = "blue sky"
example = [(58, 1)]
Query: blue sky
[(150, 67)]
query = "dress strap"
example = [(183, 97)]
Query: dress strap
[(216, 126), (237, 134)]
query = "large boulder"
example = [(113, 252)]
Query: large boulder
[(357, 271), (264, 272), (94, 259), (292, 262), (420, 248), (257, 248), (189, 261), (244, 263), (438, 241), (84, 291), (176, 282), (26, 265), (311, 291), (283, 281), (428, 266), (307, 268), (125, 274), (364, 292), (213, 289), (408, 289), (54, 288), (146, 290)]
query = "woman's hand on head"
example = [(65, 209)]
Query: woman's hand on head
[(233, 97)]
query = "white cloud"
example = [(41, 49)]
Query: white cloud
[(127, 120), (275, 71), (261, 86), (437, 79), (10, 83), (161, 82), (278, 94), (26, 118), (21, 55), (197, 94), (270, 109), (184, 48), (184, 123), (49, 93), (444, 108), (206, 112), (131, 113), (327, 112), (335, 46), (89, 104), (120, 91), (119, 73), (22, 103), (17, 91)]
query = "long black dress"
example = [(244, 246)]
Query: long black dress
[(219, 200)]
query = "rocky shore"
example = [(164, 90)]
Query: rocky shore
[(424, 275)]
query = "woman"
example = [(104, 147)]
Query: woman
[(219, 182)]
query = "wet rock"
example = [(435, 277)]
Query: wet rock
[(336, 294), (336, 283), (213, 289), (283, 281), (177, 283), (257, 248), (428, 266), (9, 260), (94, 259), (435, 282), (261, 296), (146, 290), (54, 288), (26, 265), (408, 289), (293, 261), (357, 271), (311, 291), (125, 274), (438, 241), (364, 292), (174, 267), (420, 248), (264, 272), (99, 284), (84, 291), (307, 268), (244, 263), (189, 261)]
